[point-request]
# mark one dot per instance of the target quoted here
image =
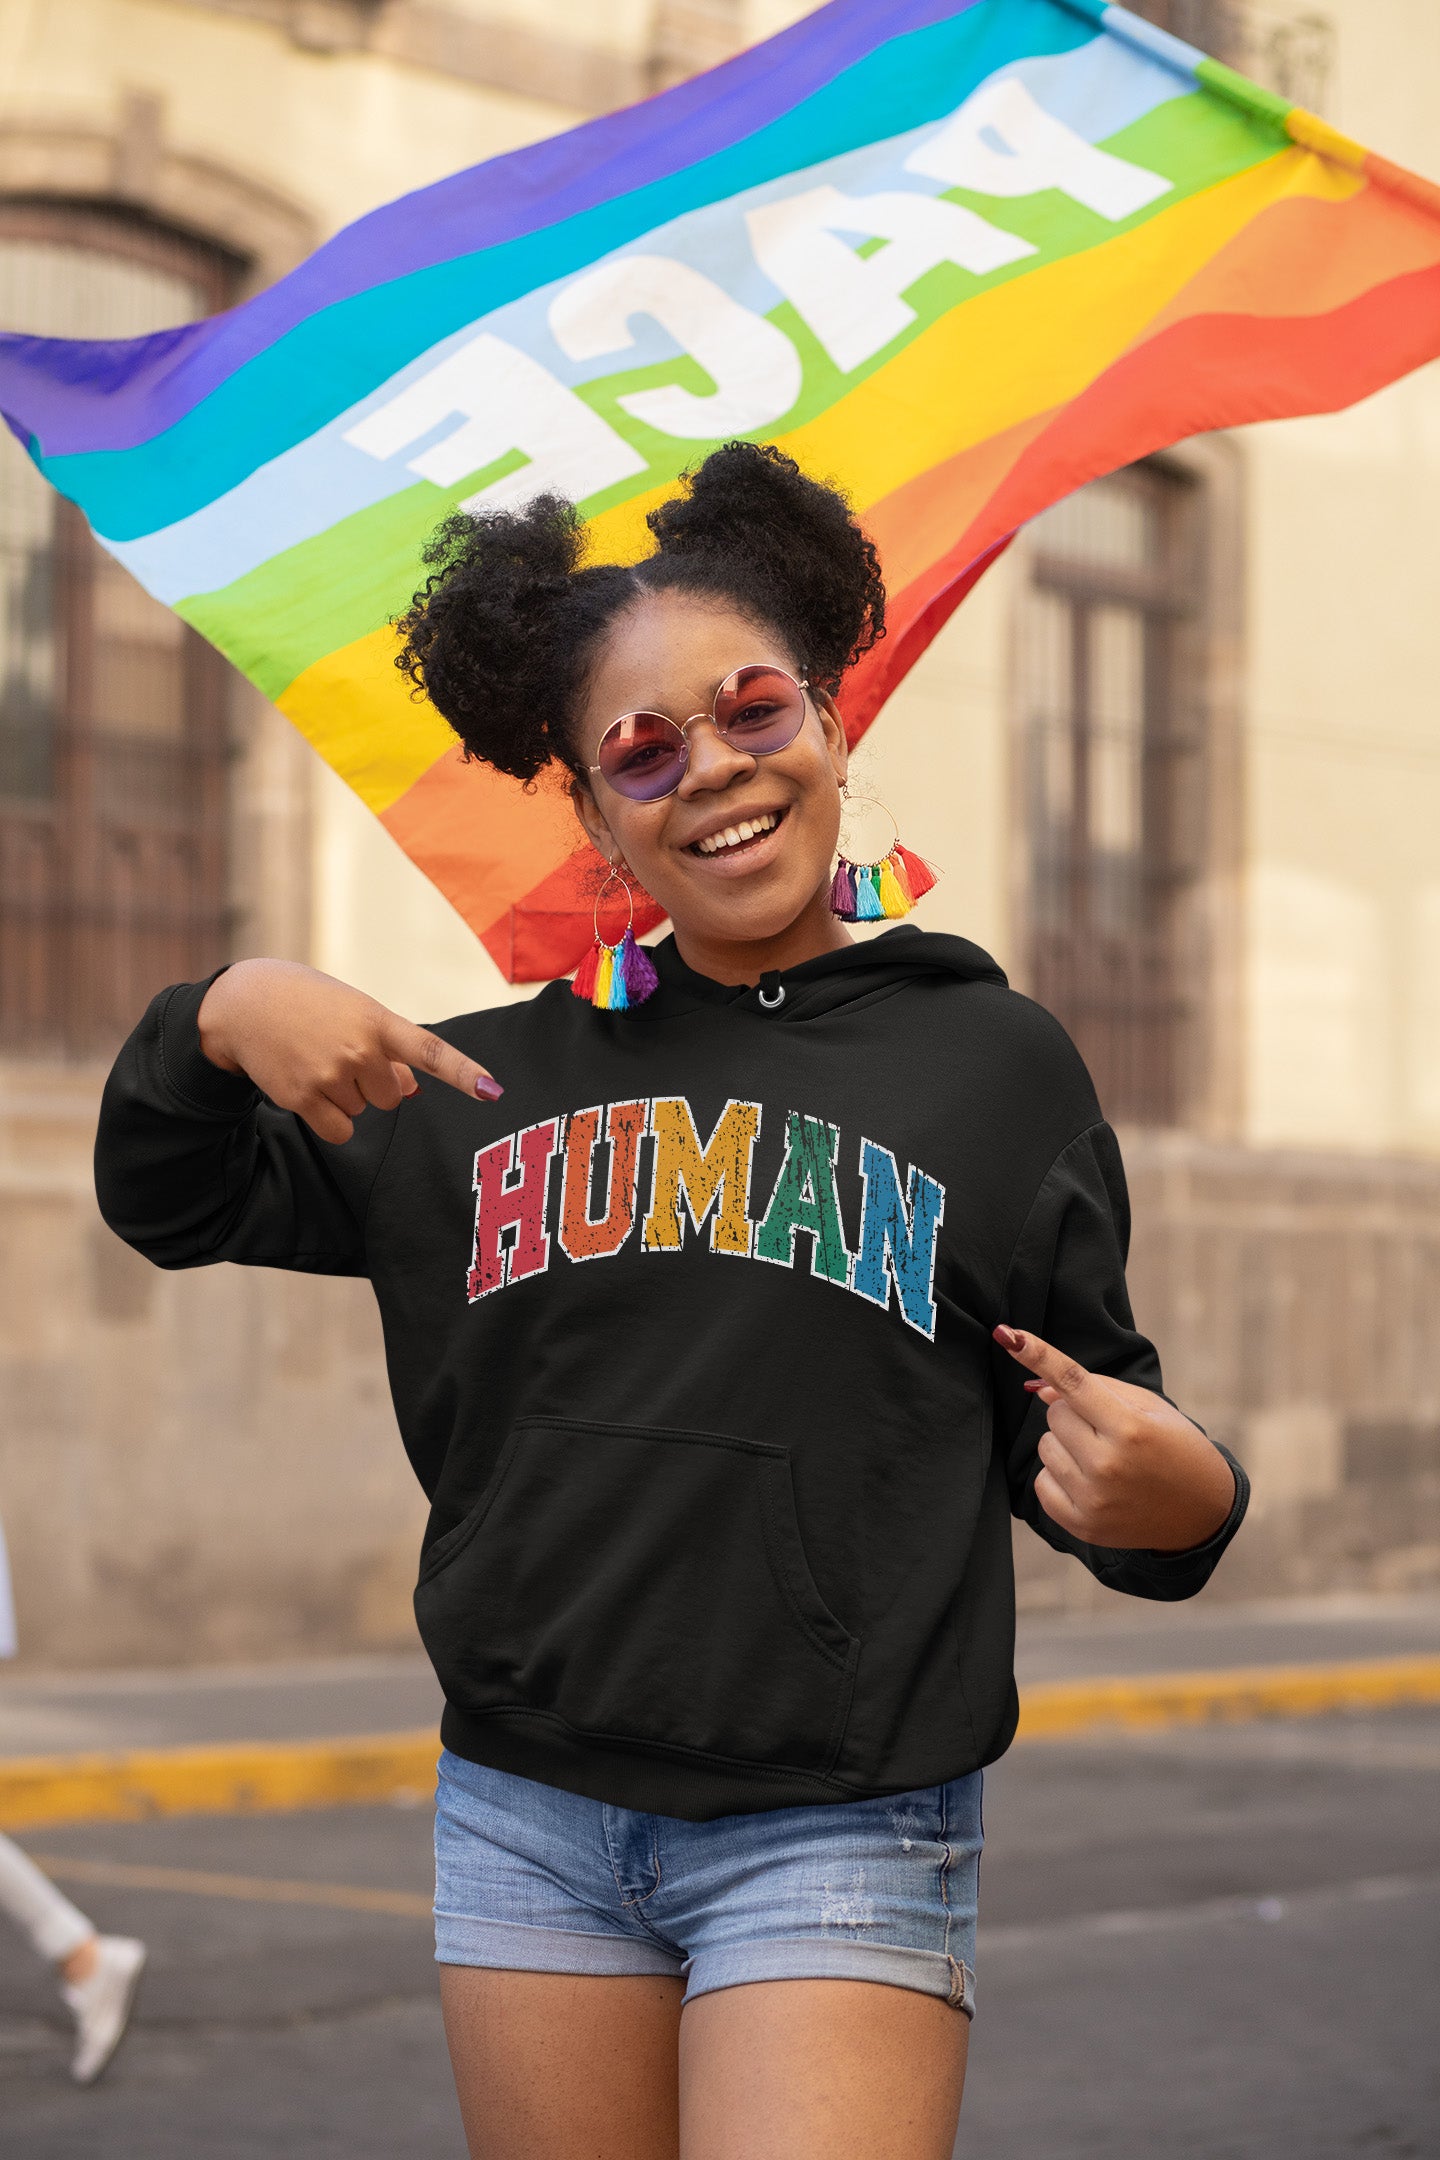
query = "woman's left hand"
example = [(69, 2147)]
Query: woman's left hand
[(1120, 1465)]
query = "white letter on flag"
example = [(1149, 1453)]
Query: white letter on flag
[(852, 302), (1031, 150), (755, 368), (505, 401)]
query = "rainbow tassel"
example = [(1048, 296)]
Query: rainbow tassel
[(894, 900), (881, 891), (867, 899), (640, 975), (586, 974), (612, 978), (919, 877)]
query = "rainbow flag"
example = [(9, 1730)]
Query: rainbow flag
[(959, 255)]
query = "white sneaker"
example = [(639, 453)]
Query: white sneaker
[(101, 2004)]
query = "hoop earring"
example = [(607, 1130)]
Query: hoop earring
[(883, 889), (612, 978)]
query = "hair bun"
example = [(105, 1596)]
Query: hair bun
[(751, 525), (495, 636), (504, 630)]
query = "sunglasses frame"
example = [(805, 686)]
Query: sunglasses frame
[(681, 728)]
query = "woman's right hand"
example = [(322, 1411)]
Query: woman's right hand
[(315, 1046)]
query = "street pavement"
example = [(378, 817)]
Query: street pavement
[(1220, 1942)]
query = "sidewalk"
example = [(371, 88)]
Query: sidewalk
[(1141, 1638), (323, 1733), (83, 1713)]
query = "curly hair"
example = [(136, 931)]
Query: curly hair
[(503, 634)]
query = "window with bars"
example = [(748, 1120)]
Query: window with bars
[(1114, 767), (113, 744), (1288, 47), (1213, 25)]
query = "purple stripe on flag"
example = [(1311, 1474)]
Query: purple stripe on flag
[(149, 383)]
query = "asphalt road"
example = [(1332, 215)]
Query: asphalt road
[(1222, 1944)]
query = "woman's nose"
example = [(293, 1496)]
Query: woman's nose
[(714, 762)]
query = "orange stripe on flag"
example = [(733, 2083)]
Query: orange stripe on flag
[(479, 835), (915, 526), (1304, 257)]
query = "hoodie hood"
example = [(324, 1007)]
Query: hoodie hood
[(823, 985)]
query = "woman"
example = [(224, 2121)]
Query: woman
[(690, 1341)]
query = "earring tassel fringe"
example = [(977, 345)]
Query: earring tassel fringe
[(919, 877), (894, 899), (880, 892), (640, 975), (867, 899), (585, 975), (612, 978)]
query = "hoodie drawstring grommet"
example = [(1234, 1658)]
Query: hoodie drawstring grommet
[(772, 990)]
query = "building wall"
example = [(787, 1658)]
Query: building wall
[(1343, 747), (1293, 1295), (206, 1465), (193, 1467)]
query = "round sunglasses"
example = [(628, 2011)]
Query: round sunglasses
[(757, 710)]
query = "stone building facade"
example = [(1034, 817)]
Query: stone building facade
[(205, 1466)]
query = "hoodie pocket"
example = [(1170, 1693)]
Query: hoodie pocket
[(645, 1584)]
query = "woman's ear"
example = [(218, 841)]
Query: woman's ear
[(836, 741), (588, 811)]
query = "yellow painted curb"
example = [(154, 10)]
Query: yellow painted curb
[(257, 1776), (1255, 1691), (251, 1777), (249, 1889)]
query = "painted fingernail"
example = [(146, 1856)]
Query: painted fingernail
[(1033, 1387), (1007, 1338), (490, 1089)]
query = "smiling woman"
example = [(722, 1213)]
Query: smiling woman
[(717, 1574), (690, 695)]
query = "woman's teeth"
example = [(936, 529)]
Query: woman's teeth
[(737, 835)]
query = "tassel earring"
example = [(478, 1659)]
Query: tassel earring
[(612, 978), (884, 888)]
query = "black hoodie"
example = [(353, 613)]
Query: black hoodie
[(689, 1339)]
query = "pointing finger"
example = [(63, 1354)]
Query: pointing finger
[(1070, 1382), (426, 1053)]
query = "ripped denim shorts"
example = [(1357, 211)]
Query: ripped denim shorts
[(533, 1879)]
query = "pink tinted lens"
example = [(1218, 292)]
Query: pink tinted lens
[(759, 709), (643, 756)]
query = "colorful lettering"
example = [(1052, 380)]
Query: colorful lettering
[(511, 1183), (715, 1178), (805, 1199), (897, 1237), (581, 1237), (707, 1183)]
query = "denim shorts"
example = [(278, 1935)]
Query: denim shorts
[(533, 1879)]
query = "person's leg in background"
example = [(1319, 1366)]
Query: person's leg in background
[(98, 1973)]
